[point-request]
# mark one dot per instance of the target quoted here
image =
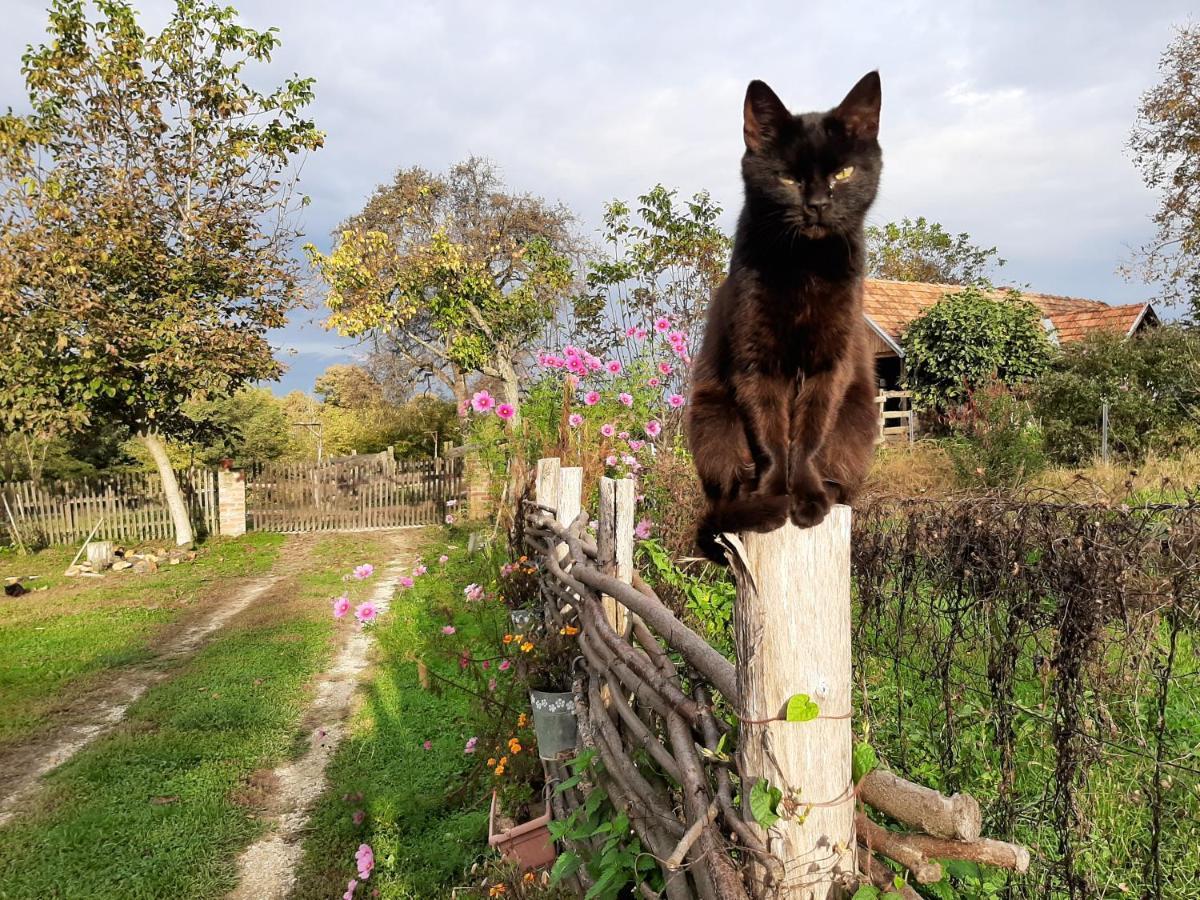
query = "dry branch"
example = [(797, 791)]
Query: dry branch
[(881, 876), (957, 817), (894, 847), (985, 851)]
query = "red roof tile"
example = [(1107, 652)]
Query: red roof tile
[(891, 305)]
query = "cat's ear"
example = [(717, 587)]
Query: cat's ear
[(859, 112), (763, 116)]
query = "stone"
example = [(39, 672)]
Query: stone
[(175, 560), (121, 564), (145, 566), (73, 571)]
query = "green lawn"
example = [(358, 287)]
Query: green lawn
[(55, 643), (426, 810), (161, 806)]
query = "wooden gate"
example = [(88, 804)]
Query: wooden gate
[(352, 493)]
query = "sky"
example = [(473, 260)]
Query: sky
[(1006, 120)]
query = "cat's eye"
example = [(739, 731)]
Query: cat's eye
[(843, 174), (783, 180)]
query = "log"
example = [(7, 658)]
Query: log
[(792, 636), (985, 851), (924, 809), (881, 876), (100, 554), (894, 847)]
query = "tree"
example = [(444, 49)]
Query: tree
[(1151, 382), (248, 427), (1165, 143), (351, 387), (968, 339), (452, 273), (146, 222), (917, 250)]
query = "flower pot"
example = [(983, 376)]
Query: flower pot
[(524, 620), (529, 844), (553, 722)]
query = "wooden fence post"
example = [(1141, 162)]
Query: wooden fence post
[(546, 482), (570, 494), (792, 635), (614, 540)]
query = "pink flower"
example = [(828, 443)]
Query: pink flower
[(443, 559), (505, 411), (463, 408), (608, 429), (640, 334), (613, 367), (575, 420), (473, 592), (611, 460), (448, 629), (573, 381), (665, 368), (357, 817), (628, 460), (471, 742), (366, 861), (492, 684), (351, 886), (428, 745), (341, 606), (449, 520), (676, 400), (366, 570), (630, 331), (486, 664), (654, 382), (642, 531), (653, 428), (407, 582), (420, 570), (595, 363), (676, 337), (504, 665), (627, 399), (635, 446), (482, 401), (662, 324), (366, 612), (591, 398), (577, 365)]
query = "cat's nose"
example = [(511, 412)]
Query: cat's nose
[(816, 204)]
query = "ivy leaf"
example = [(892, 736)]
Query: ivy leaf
[(863, 761), (801, 708), (764, 803)]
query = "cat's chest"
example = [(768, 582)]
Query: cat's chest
[(792, 333)]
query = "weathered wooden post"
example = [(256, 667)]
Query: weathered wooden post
[(792, 635), (614, 539), (546, 482)]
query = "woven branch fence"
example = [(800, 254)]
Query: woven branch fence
[(659, 704)]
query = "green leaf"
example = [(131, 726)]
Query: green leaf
[(801, 708), (582, 761), (863, 761), (565, 866), (764, 803), (569, 783), (866, 892)]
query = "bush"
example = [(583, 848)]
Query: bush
[(997, 444), (1151, 382)]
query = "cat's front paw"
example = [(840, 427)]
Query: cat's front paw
[(810, 507)]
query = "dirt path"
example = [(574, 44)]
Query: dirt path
[(267, 868), (97, 711)]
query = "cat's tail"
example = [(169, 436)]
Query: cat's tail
[(742, 514)]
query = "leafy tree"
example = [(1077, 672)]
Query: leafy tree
[(352, 387), (666, 260), (1151, 382), (1165, 143), (969, 338), (453, 273), (916, 250), (146, 223), (248, 427)]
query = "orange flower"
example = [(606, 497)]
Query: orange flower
[(491, 762), (528, 878), (497, 890), (522, 720), (508, 639), (568, 630), (526, 647)]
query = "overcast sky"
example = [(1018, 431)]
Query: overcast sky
[(1006, 120)]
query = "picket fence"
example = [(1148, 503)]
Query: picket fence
[(127, 507)]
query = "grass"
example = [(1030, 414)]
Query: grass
[(426, 815), (55, 643), (162, 805)]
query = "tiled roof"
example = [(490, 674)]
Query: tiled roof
[(891, 305)]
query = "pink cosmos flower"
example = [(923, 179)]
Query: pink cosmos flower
[(428, 745), (448, 629), (577, 365), (676, 400), (366, 570), (406, 582), (341, 606), (595, 364), (482, 401), (611, 460), (642, 531), (366, 612), (420, 570), (463, 408), (486, 664), (366, 861), (640, 334), (573, 381), (628, 460), (570, 351), (575, 420), (654, 382), (505, 411), (351, 886), (473, 592), (630, 331), (471, 742), (662, 324), (613, 366), (357, 816), (627, 399), (443, 559), (653, 428), (676, 337), (504, 665), (608, 429), (449, 520), (665, 368), (591, 398), (635, 446)]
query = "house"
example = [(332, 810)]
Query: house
[(890, 306)]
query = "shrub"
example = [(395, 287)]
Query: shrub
[(996, 442)]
